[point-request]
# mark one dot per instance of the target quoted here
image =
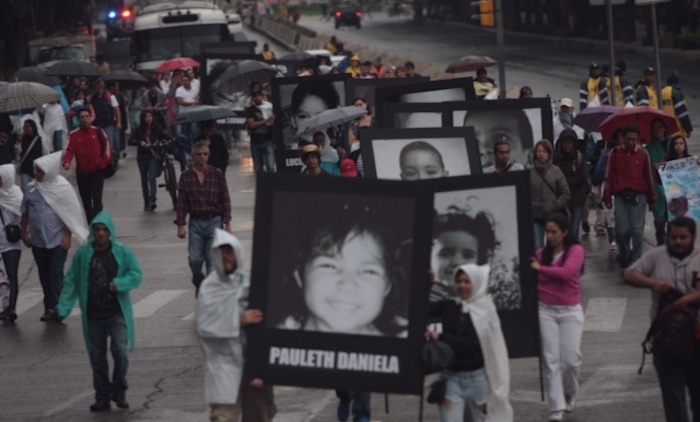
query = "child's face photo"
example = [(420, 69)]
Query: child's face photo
[(422, 164), (344, 290), (4, 289), (454, 249)]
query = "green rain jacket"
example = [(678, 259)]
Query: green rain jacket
[(75, 283), (657, 152)]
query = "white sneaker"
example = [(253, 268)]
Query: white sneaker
[(570, 404), (556, 416), (613, 245)]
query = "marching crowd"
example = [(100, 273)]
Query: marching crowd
[(571, 177)]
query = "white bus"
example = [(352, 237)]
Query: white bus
[(171, 29)]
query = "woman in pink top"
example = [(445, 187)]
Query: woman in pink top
[(559, 266)]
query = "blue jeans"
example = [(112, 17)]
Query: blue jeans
[(264, 153), (539, 235), (576, 217), (361, 406), (113, 139), (148, 168), (49, 264), (57, 140), (465, 391), (201, 237), (629, 225), (99, 330)]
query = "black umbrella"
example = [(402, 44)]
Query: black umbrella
[(35, 74), (72, 68), (127, 78), (234, 84), (203, 113)]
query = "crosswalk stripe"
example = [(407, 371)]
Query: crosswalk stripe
[(28, 298), (190, 317), (156, 300), (605, 314)]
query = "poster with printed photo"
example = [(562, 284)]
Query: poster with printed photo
[(448, 90), (417, 154), (521, 123), (296, 99), (487, 219), (365, 88), (340, 273)]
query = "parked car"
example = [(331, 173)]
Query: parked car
[(348, 16)]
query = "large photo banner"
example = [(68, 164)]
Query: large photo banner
[(681, 181), (487, 219), (340, 273)]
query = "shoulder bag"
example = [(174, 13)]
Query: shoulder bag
[(12, 231), (564, 210), (26, 154)]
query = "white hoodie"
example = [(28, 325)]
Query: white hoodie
[(218, 323)]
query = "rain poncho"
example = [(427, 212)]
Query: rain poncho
[(76, 283), (61, 196), (54, 120), (218, 324), (10, 194), (493, 346)]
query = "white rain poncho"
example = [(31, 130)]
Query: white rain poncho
[(493, 346), (218, 324), (10, 194), (55, 119), (61, 196)]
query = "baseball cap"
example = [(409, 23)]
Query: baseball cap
[(650, 71), (594, 65), (567, 102), (348, 168), (309, 149), (355, 58)]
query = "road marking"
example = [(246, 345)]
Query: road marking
[(609, 384), (156, 300), (605, 314), (28, 298), (190, 317), (68, 403)]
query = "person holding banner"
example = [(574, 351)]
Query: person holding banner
[(559, 267), (478, 378)]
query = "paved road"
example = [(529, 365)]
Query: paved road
[(46, 373)]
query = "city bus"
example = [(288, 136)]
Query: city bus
[(171, 29)]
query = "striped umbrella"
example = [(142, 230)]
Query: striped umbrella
[(22, 95)]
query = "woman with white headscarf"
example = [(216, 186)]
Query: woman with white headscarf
[(51, 218), (10, 201), (478, 378)]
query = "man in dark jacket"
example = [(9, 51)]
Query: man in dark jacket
[(572, 163)]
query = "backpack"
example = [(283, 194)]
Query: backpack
[(673, 335)]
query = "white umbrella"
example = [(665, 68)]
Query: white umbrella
[(331, 117)]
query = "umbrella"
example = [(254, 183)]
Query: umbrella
[(298, 56), (640, 116), (203, 113), (331, 117), (470, 64), (72, 68), (177, 63), (21, 95), (35, 74), (590, 118), (127, 78), (236, 81)]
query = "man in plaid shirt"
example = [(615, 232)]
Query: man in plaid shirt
[(203, 194)]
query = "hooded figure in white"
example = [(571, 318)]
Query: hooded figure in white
[(218, 323), (10, 194), (61, 196), (493, 346)]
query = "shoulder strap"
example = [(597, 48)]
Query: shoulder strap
[(547, 183), (36, 138)]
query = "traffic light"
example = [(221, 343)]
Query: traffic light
[(486, 15)]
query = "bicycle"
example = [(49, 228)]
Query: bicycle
[(162, 150)]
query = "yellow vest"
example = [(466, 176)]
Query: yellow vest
[(653, 98), (619, 97), (268, 55), (353, 71), (668, 106), (592, 87)]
